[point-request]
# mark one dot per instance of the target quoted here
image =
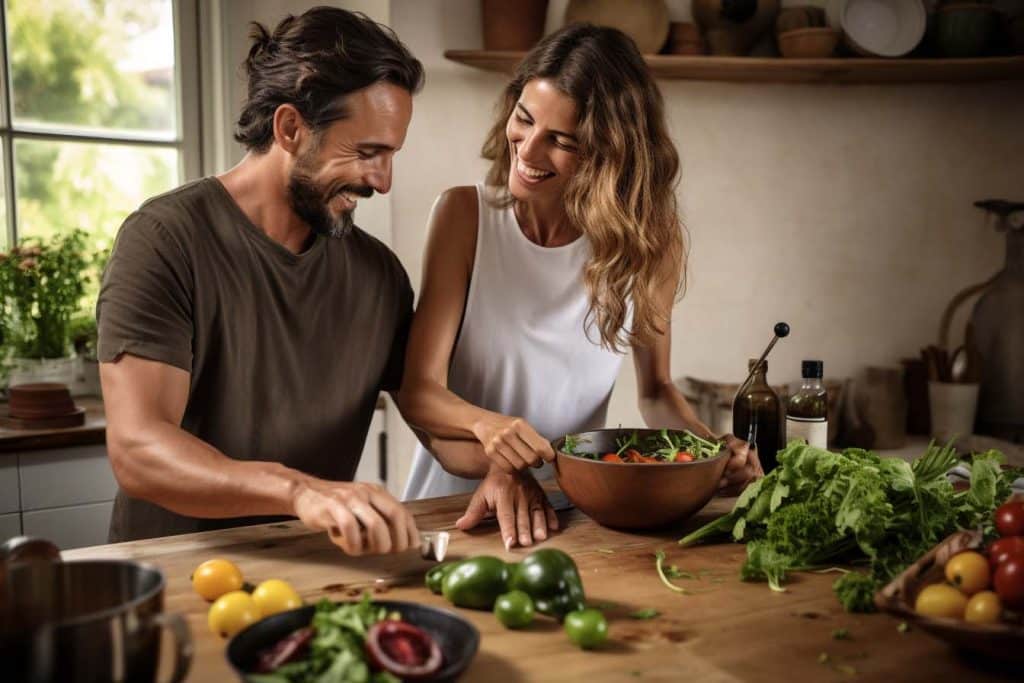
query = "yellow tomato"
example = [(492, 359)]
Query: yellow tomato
[(941, 600), (214, 578), (273, 596), (968, 571), (983, 608), (231, 613)]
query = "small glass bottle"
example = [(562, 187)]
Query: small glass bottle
[(807, 412), (757, 416)]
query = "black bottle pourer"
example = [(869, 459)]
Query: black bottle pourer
[(781, 330)]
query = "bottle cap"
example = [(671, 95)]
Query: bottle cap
[(812, 368)]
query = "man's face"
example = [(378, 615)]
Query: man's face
[(349, 159)]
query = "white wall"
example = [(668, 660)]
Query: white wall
[(844, 210)]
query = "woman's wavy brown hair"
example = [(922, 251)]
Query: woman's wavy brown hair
[(622, 196)]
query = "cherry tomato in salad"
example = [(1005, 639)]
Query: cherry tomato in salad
[(683, 456), (611, 457), (1010, 518)]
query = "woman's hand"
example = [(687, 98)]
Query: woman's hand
[(510, 443), (743, 467), (517, 500)]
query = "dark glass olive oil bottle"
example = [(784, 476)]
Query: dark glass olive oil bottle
[(757, 416)]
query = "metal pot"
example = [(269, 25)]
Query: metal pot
[(91, 620)]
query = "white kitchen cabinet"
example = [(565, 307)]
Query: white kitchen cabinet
[(10, 499), (65, 476), (10, 525), (70, 527)]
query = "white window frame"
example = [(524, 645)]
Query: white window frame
[(188, 138)]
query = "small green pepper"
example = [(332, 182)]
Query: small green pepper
[(436, 575), (476, 582), (551, 578)]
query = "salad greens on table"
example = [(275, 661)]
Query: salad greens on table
[(665, 446), (819, 508), (337, 650)]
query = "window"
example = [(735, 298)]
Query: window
[(98, 111)]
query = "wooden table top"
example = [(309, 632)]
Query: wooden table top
[(727, 631)]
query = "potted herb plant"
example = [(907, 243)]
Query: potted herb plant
[(42, 284)]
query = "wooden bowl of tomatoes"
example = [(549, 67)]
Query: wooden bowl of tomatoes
[(639, 478), (968, 592)]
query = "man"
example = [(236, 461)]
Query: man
[(246, 326)]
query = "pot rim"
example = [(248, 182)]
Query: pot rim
[(107, 613)]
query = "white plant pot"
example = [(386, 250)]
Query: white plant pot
[(35, 370)]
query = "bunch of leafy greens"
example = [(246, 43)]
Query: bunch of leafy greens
[(819, 508), (337, 652)]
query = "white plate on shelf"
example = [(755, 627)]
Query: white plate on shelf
[(883, 28)]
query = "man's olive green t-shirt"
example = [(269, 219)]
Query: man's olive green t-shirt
[(287, 353)]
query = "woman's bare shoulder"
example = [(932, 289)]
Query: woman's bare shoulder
[(455, 214)]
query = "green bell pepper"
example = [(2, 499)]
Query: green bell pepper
[(551, 578), (476, 582)]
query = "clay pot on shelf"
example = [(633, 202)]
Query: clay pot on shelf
[(645, 21), (684, 38), (516, 26), (731, 27)]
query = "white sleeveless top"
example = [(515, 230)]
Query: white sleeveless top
[(522, 349)]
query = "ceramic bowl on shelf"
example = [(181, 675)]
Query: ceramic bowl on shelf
[(808, 43), (883, 28)]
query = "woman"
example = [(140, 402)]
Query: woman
[(537, 281)]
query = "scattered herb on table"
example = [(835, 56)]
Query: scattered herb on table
[(840, 634), (819, 508), (648, 613), (903, 627), (659, 564)]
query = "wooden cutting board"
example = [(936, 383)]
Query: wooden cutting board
[(726, 631)]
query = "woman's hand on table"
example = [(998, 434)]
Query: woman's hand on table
[(517, 500), (360, 518), (511, 444), (743, 467)]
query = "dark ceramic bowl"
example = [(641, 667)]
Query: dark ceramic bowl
[(635, 495), (457, 638)]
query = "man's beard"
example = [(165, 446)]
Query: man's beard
[(310, 202)]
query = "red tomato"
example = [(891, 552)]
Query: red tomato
[(683, 456), (1009, 583), (611, 457), (1010, 518), (1003, 549)]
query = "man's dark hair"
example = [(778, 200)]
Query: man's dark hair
[(311, 62)]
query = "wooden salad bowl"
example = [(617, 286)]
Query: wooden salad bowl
[(635, 495), (1002, 641)]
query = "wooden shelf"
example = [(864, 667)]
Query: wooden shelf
[(780, 70)]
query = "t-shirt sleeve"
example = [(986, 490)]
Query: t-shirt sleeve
[(145, 302), (392, 379)]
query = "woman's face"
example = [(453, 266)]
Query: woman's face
[(541, 133)]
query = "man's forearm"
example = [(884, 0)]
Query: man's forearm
[(166, 465)]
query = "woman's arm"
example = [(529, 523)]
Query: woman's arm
[(424, 399), (663, 405)]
